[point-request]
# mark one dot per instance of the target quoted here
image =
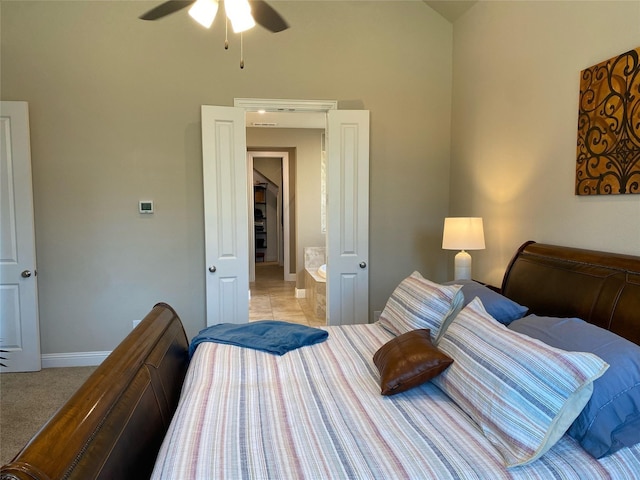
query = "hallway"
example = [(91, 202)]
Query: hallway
[(274, 299)]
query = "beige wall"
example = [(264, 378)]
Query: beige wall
[(271, 168), (115, 118), (516, 82)]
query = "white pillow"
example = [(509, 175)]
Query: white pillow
[(419, 303), (522, 393)]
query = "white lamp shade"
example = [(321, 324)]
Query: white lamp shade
[(204, 12), (463, 233)]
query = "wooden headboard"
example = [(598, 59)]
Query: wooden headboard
[(598, 287)]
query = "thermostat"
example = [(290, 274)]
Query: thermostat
[(145, 206)]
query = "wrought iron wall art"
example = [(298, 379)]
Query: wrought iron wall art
[(608, 153)]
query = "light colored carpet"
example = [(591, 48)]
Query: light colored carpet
[(28, 400)]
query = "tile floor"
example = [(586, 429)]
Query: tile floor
[(274, 299)]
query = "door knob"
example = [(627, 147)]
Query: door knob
[(26, 274), (212, 268), (363, 265)]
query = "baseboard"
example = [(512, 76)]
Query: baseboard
[(290, 277), (301, 293), (73, 359)]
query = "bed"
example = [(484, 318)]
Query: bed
[(318, 412)]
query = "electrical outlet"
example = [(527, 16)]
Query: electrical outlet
[(135, 323)]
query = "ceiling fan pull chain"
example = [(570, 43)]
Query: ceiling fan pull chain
[(226, 32), (241, 51)]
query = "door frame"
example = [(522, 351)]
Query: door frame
[(284, 189), (285, 105)]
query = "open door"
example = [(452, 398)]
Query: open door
[(226, 215), (19, 324), (348, 217)]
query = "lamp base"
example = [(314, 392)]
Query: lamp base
[(462, 266)]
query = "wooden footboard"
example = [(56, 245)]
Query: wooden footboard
[(114, 424)]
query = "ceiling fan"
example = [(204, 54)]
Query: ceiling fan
[(260, 11), (243, 14)]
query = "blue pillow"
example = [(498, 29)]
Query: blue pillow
[(611, 418), (498, 306)]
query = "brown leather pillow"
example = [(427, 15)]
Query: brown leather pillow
[(409, 360)]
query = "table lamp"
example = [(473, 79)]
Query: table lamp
[(463, 233)]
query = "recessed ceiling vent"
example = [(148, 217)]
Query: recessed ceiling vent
[(264, 124)]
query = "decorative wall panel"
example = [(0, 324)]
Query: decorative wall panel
[(608, 150)]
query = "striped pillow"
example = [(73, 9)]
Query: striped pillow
[(419, 303), (522, 393)]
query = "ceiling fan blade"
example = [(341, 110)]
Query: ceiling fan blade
[(166, 8), (266, 16)]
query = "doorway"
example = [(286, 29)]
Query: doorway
[(346, 242), (282, 222), (226, 210)]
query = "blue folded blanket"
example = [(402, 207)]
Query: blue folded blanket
[(271, 336)]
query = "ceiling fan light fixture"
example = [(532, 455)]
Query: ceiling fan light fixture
[(239, 12), (204, 12)]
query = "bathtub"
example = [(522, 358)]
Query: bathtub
[(322, 270), (316, 291)]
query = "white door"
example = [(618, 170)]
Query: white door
[(226, 214), (348, 217), (19, 325)]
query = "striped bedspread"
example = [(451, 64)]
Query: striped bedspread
[(317, 413)]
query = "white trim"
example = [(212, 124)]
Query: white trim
[(73, 359), (284, 105), (301, 293)]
